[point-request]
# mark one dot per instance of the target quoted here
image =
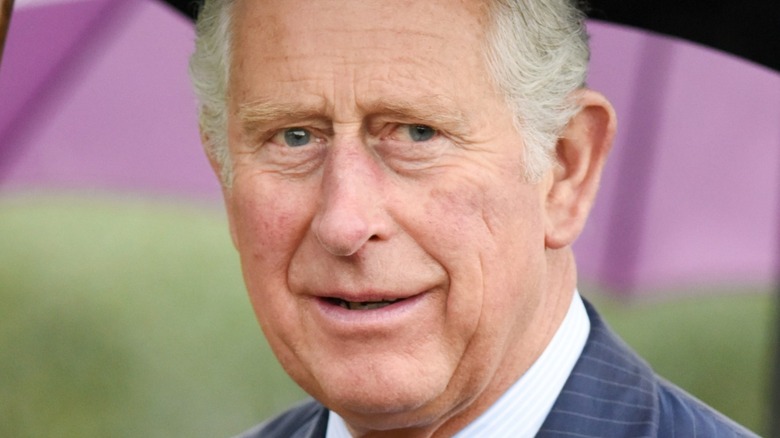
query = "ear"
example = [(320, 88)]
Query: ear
[(580, 156), (216, 167)]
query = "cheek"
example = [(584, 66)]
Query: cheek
[(269, 227), (268, 223), (486, 219), (457, 236), (490, 239)]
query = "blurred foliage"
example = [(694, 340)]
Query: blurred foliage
[(128, 317)]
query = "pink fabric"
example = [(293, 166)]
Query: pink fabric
[(122, 115), (691, 194), (40, 45)]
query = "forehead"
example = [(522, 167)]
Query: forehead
[(295, 46)]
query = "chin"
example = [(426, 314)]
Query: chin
[(383, 400), (383, 415)]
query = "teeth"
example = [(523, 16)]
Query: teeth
[(370, 305)]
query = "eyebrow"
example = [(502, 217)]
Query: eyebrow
[(262, 112), (435, 110)]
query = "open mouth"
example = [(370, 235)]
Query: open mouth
[(367, 305)]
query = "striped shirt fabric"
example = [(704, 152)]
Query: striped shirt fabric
[(521, 411)]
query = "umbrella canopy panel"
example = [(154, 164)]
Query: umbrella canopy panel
[(98, 97), (43, 41), (691, 192)]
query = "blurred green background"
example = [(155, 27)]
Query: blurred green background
[(127, 317)]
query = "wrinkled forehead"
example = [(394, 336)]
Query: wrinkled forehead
[(301, 40), (290, 28), (278, 18)]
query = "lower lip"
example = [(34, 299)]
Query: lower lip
[(390, 315)]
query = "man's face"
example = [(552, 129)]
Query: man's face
[(392, 249)]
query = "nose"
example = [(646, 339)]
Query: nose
[(351, 212)]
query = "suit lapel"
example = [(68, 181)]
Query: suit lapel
[(611, 391), (317, 426)]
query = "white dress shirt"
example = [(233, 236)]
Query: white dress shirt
[(521, 411)]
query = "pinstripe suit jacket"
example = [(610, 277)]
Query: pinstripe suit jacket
[(611, 392)]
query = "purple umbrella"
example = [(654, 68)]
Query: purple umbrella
[(693, 185), (95, 94)]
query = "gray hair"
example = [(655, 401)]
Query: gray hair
[(536, 51), (209, 72)]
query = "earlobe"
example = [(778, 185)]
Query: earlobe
[(580, 156)]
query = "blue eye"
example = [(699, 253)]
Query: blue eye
[(421, 133), (296, 137)]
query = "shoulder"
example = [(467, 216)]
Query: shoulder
[(309, 419), (613, 392), (680, 412)]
